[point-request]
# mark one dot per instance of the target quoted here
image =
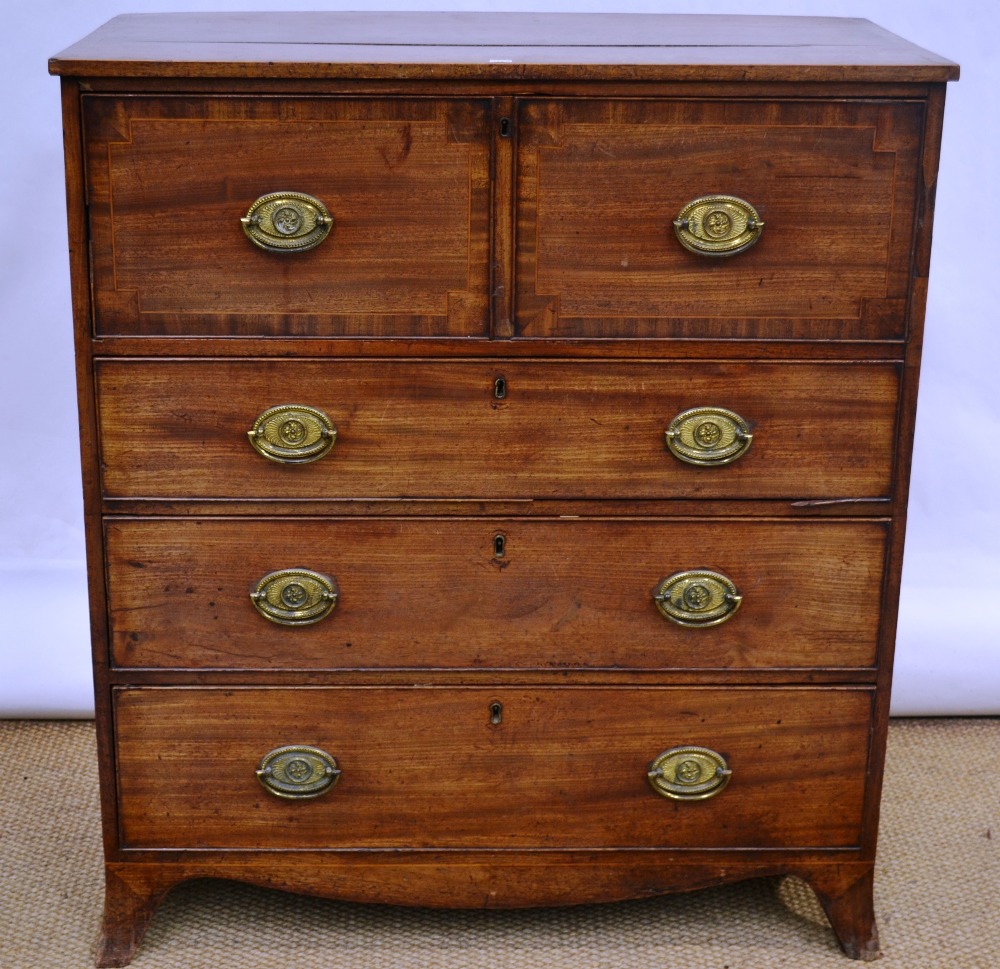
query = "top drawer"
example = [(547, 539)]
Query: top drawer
[(600, 184), (406, 183)]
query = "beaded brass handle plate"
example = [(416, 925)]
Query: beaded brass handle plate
[(708, 436), (294, 597), (689, 773), (718, 225), (292, 434), (287, 222), (298, 772), (697, 598)]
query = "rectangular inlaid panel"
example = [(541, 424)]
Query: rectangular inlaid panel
[(405, 181), (427, 767), (600, 184), (437, 593), (435, 428)]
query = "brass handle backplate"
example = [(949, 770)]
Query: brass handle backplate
[(292, 434), (718, 225), (689, 773), (697, 598), (708, 436), (295, 597), (298, 772), (287, 222)]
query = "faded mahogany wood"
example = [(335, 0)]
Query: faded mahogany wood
[(426, 768), (500, 45), (776, 676), (565, 594), (877, 508), (127, 914), (610, 348), (600, 183), (406, 182), (466, 248), (89, 453), (508, 879), (908, 408), (846, 897), (563, 430)]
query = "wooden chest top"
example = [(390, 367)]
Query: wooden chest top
[(472, 45)]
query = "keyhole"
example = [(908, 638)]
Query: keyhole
[(500, 388), (496, 712), (505, 127), (499, 546)]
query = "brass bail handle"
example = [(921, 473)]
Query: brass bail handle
[(298, 772), (287, 222), (292, 434), (689, 773), (718, 225), (697, 598), (708, 436), (295, 597)]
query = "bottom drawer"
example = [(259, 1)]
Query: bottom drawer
[(509, 767)]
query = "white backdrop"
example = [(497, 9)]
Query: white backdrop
[(950, 614)]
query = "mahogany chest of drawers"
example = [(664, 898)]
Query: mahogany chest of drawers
[(496, 433)]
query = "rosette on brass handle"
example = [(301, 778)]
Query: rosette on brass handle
[(708, 436), (295, 597), (287, 222), (298, 772), (697, 598), (718, 225), (689, 773), (292, 434)]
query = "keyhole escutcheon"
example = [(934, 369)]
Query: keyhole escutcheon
[(496, 712)]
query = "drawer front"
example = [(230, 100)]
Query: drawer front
[(600, 184), (434, 593), (435, 429), (428, 767), (406, 183)]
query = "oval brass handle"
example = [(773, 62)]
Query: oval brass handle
[(697, 598), (287, 222), (298, 772), (689, 773), (718, 225), (295, 597), (708, 436), (292, 434)]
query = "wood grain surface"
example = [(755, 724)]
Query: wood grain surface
[(600, 183), (500, 46), (432, 594), (405, 180), (433, 428), (425, 767)]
